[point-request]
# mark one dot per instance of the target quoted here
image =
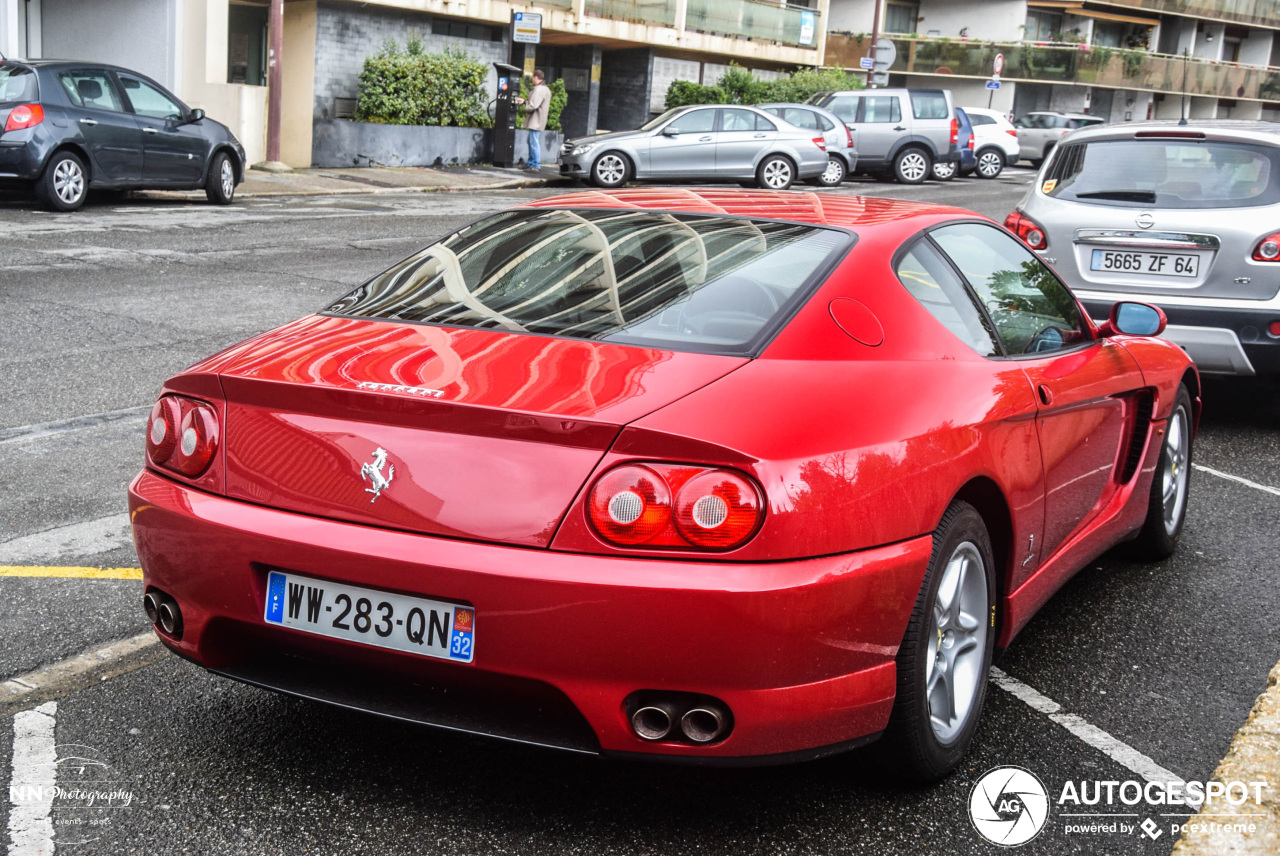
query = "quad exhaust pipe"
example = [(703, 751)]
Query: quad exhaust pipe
[(163, 611), (681, 717)]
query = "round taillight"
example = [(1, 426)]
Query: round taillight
[(1035, 239), (630, 505), (1274, 329), (718, 509), (196, 442), (162, 430), (1269, 250)]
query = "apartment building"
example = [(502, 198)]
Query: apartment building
[(1124, 60), (616, 57)]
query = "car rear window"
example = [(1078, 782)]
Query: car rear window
[(17, 85), (977, 119), (1165, 173), (677, 281), (928, 104)]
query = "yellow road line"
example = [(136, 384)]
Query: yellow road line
[(80, 573)]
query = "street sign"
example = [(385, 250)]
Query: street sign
[(526, 27), (886, 53), (880, 78), (997, 66), (993, 84), (995, 77), (866, 63)]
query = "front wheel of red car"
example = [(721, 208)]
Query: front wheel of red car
[(1167, 503), (945, 654)]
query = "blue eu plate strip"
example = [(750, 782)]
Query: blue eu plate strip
[(275, 597)]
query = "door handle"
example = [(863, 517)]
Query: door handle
[(761, 136), (1046, 395), (704, 139), (899, 128), (149, 131), (89, 122)]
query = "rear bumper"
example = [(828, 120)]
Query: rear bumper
[(20, 161), (801, 652), (1220, 340)]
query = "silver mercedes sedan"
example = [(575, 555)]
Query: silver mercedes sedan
[(1185, 217), (701, 143)]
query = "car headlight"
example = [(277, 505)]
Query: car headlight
[(583, 149)]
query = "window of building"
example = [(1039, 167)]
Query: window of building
[(901, 17), (1042, 26), (1108, 34), (247, 44), (465, 30)]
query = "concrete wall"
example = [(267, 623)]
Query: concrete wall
[(339, 143), (1255, 49), (137, 34), (1209, 41), (851, 16), (624, 88), (301, 20), (347, 33), (985, 19), (203, 76)]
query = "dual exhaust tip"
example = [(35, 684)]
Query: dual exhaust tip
[(698, 722), (163, 611)]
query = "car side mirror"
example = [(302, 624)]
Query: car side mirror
[(195, 116), (1134, 319), (670, 131)]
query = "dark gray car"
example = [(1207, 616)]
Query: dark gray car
[(69, 127)]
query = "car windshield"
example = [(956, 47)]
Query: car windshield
[(17, 84), (658, 120), (712, 284), (1165, 173)]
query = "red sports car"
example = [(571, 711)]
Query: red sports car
[(722, 475)]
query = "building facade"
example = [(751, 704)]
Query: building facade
[(616, 57), (1123, 60)]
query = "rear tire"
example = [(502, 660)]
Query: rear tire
[(220, 186), (64, 185), (776, 172), (912, 165), (990, 163), (834, 176), (945, 654), (944, 170), (610, 170), (1167, 501)]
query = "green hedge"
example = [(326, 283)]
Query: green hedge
[(739, 86), (411, 87), (559, 98)]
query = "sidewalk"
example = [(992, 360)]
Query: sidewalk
[(332, 182)]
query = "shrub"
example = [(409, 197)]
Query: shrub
[(682, 93), (412, 87), (559, 98), (803, 84), (739, 86)]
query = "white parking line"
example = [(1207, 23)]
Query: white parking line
[(32, 781), (78, 539), (1120, 752), (1229, 477)]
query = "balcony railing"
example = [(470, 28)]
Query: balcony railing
[(755, 20), (1098, 66), (1262, 12), (661, 12)]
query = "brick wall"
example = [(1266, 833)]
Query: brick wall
[(624, 88), (347, 33)]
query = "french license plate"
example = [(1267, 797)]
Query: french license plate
[(411, 624), (1157, 264)]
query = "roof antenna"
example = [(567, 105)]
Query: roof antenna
[(1186, 56)]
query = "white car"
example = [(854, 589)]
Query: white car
[(995, 141)]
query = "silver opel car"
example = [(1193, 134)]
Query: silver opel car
[(1185, 217), (706, 143)]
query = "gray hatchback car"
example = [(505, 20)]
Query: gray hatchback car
[(700, 143), (1185, 217)]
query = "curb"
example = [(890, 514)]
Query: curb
[(1254, 757)]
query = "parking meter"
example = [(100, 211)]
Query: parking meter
[(504, 115)]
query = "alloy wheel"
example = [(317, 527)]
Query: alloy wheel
[(913, 166), (957, 642), (777, 174), (989, 164), (610, 170), (1177, 453), (228, 178), (68, 181)]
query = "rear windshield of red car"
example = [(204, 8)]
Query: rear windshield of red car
[(17, 84), (1165, 173), (712, 284)]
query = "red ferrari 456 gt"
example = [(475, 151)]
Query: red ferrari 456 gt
[(723, 476)]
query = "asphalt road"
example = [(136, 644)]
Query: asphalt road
[(101, 306)]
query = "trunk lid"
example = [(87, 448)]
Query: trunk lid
[(464, 433)]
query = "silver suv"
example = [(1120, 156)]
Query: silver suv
[(899, 132), (1039, 132), (1185, 217)]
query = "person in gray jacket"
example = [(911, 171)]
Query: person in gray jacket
[(535, 117)]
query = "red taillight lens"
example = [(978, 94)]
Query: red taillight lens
[(182, 435), (1268, 249), (848, 136), (1011, 132), (24, 116), (970, 141), (955, 131), (1274, 329), (1026, 229), (714, 509), (820, 143)]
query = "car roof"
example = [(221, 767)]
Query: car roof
[(821, 209), (1221, 130)]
